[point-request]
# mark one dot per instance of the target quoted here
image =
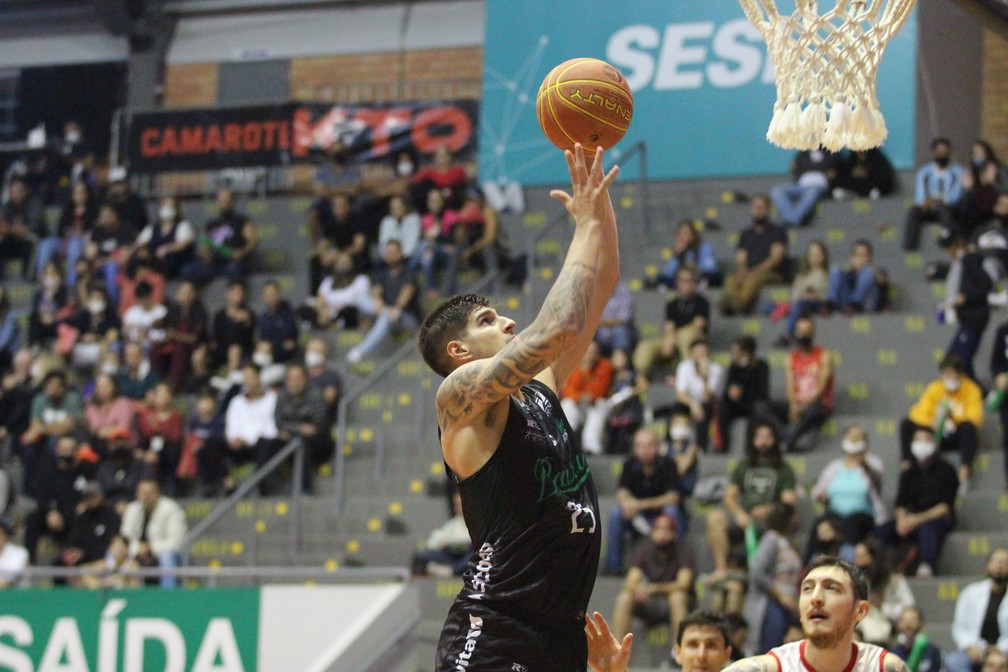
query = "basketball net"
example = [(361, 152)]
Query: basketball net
[(826, 67)]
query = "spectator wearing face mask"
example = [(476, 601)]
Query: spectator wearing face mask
[(925, 503), (851, 489), (937, 188), (322, 376), (952, 408), (980, 624)]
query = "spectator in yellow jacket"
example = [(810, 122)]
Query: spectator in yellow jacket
[(952, 407)]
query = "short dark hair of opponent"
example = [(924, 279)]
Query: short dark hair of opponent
[(704, 618), (859, 582), (446, 323)]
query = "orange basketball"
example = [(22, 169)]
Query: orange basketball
[(584, 100)]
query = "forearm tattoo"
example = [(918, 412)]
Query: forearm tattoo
[(563, 317)]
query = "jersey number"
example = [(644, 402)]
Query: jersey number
[(578, 510)]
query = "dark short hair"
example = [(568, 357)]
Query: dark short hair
[(446, 323), (864, 242), (952, 361), (941, 140), (143, 290), (859, 582), (746, 344), (703, 618), (250, 364)]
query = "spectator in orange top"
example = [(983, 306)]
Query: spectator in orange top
[(587, 385)]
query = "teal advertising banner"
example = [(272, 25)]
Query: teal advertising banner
[(154, 630), (703, 85)]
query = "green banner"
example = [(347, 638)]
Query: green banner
[(64, 630)]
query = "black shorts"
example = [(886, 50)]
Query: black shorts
[(478, 639)]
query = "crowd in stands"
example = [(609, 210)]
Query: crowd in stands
[(122, 381), (123, 389)]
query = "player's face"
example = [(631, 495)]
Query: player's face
[(488, 333), (827, 606), (702, 649)]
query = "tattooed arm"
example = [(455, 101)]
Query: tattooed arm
[(754, 664), (468, 397)]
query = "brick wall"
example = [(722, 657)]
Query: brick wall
[(994, 114), (191, 85)]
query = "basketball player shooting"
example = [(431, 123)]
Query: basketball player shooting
[(832, 601), (527, 495)]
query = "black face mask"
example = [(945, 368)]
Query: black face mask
[(65, 462), (1000, 582), (804, 342), (942, 161), (760, 221)]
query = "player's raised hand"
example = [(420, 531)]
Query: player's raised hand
[(605, 652), (589, 197)]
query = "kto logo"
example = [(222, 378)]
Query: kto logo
[(65, 648), (687, 55)]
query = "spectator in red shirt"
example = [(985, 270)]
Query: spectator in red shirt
[(809, 378), (160, 425), (445, 175)]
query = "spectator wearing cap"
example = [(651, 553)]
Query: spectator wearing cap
[(658, 587), (56, 497), (155, 522), (95, 523), (55, 412), (13, 558), (127, 203), (950, 407), (967, 286)]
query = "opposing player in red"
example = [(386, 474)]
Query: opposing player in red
[(527, 494), (832, 601)]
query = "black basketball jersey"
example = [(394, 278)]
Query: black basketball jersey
[(532, 513)]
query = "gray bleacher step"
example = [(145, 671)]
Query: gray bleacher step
[(965, 553)]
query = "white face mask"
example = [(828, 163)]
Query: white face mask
[(50, 282), (96, 307), (167, 213), (680, 433), (72, 137), (404, 168), (951, 384), (853, 447), (904, 639), (313, 359), (922, 450), (109, 368), (262, 359)]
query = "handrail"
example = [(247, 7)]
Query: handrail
[(342, 408), (292, 447), (213, 574)]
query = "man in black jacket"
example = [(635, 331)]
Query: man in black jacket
[(747, 390), (967, 287)]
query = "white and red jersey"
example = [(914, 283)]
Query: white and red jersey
[(864, 658)]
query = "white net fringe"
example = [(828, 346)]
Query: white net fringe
[(826, 67)]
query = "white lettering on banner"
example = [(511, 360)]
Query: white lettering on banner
[(64, 642), (64, 650), (690, 54), (21, 633), (138, 630), (219, 641)]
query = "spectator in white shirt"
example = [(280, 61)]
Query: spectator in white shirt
[(401, 224), (341, 298), (699, 383), (143, 323), (13, 558), (249, 425), (155, 525)]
